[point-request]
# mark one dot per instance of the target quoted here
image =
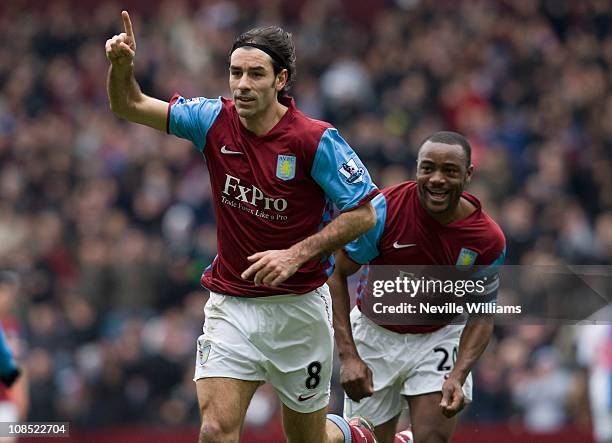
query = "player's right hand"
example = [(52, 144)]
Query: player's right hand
[(121, 49), (453, 399), (356, 379)]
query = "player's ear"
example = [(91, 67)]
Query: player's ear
[(281, 79), (468, 174)]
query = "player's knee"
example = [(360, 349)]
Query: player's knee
[(213, 431)]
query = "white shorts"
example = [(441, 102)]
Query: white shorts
[(402, 365), (286, 340)]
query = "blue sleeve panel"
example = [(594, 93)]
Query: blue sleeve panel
[(192, 118), (338, 170), (365, 248), (7, 362)]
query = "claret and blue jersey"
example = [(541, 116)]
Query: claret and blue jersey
[(269, 191), (405, 234)]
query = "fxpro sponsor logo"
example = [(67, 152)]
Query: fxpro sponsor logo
[(235, 194)]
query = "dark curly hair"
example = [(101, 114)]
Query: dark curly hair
[(277, 43)]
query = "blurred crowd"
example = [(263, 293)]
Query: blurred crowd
[(109, 224)]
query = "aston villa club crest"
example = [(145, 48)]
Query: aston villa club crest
[(466, 258), (285, 167), (351, 172), (203, 351)]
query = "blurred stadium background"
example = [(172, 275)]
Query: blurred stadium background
[(109, 224)]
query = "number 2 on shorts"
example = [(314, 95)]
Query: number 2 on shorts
[(443, 366)]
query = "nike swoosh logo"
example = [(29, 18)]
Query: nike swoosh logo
[(224, 150), (396, 245), (302, 398)]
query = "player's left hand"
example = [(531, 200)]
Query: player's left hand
[(273, 267), (453, 399)]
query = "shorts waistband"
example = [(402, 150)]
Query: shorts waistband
[(282, 298)]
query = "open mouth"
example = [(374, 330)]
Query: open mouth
[(437, 195), (244, 99)]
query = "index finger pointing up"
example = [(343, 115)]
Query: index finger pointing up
[(127, 24)]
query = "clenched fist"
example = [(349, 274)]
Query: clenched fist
[(121, 49)]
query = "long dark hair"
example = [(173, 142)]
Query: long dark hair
[(277, 43)]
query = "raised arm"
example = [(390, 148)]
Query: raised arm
[(355, 375), (126, 98)]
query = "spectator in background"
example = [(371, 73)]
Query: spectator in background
[(543, 392)]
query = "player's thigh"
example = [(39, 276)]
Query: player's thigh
[(304, 427), (429, 424), (300, 355), (223, 405), (434, 356)]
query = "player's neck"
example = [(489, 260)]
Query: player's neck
[(262, 124), (462, 209)]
